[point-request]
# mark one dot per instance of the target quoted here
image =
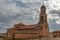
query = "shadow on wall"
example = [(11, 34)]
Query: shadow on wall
[(1, 38)]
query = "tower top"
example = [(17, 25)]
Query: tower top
[(42, 4)]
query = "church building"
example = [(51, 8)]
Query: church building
[(22, 31)]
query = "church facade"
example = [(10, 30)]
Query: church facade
[(30, 31)]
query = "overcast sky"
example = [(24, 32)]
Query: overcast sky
[(27, 12)]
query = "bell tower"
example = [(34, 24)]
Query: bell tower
[(43, 16), (43, 24)]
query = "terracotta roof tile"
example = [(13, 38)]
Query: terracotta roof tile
[(23, 26), (56, 31)]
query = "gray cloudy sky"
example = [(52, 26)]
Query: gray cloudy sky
[(27, 12)]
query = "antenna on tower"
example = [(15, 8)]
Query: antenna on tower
[(42, 2), (43, 6)]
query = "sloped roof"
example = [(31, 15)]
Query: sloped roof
[(28, 26), (23, 26), (56, 31)]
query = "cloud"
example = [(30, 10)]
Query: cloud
[(26, 11), (58, 21), (16, 11), (29, 1), (55, 4)]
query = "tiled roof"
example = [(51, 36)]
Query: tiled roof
[(23, 26), (56, 31)]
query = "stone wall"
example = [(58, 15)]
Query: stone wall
[(46, 39), (40, 39)]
